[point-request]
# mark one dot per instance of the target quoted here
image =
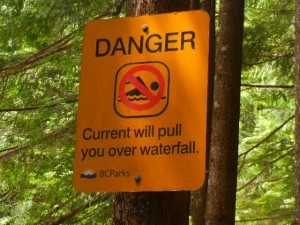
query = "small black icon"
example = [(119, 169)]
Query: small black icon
[(136, 93), (88, 176)]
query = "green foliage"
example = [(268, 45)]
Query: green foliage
[(266, 163), (40, 54)]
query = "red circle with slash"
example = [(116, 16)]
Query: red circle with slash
[(129, 77)]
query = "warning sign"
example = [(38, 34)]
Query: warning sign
[(141, 123), (141, 89)]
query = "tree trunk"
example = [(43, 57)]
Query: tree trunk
[(152, 208), (194, 4), (198, 204), (297, 116), (225, 121), (144, 7)]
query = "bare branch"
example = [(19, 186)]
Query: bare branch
[(267, 86), (37, 107), (10, 152), (287, 215)]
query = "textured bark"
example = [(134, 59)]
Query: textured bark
[(297, 115), (145, 7), (131, 208), (152, 208), (194, 4), (198, 204), (209, 6), (225, 121)]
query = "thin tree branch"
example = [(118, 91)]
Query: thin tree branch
[(267, 86), (270, 153), (264, 169), (56, 209), (37, 107), (267, 137), (78, 209), (268, 181), (60, 45), (270, 59), (10, 152), (244, 154), (265, 218)]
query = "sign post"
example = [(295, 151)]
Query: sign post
[(142, 104)]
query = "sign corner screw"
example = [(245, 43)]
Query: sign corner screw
[(138, 178), (145, 27)]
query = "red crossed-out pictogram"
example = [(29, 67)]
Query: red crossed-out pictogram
[(130, 78)]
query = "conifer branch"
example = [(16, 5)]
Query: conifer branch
[(271, 153), (264, 169), (270, 58), (56, 47), (267, 137), (56, 209), (244, 154), (80, 208), (59, 45)]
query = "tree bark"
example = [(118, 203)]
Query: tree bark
[(152, 208), (145, 7), (297, 115), (194, 4), (198, 202), (225, 121)]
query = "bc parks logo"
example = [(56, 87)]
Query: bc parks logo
[(89, 174), (141, 89)]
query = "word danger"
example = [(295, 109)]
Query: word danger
[(153, 43)]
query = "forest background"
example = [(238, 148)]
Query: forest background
[(40, 56)]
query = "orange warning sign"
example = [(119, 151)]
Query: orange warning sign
[(141, 123)]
